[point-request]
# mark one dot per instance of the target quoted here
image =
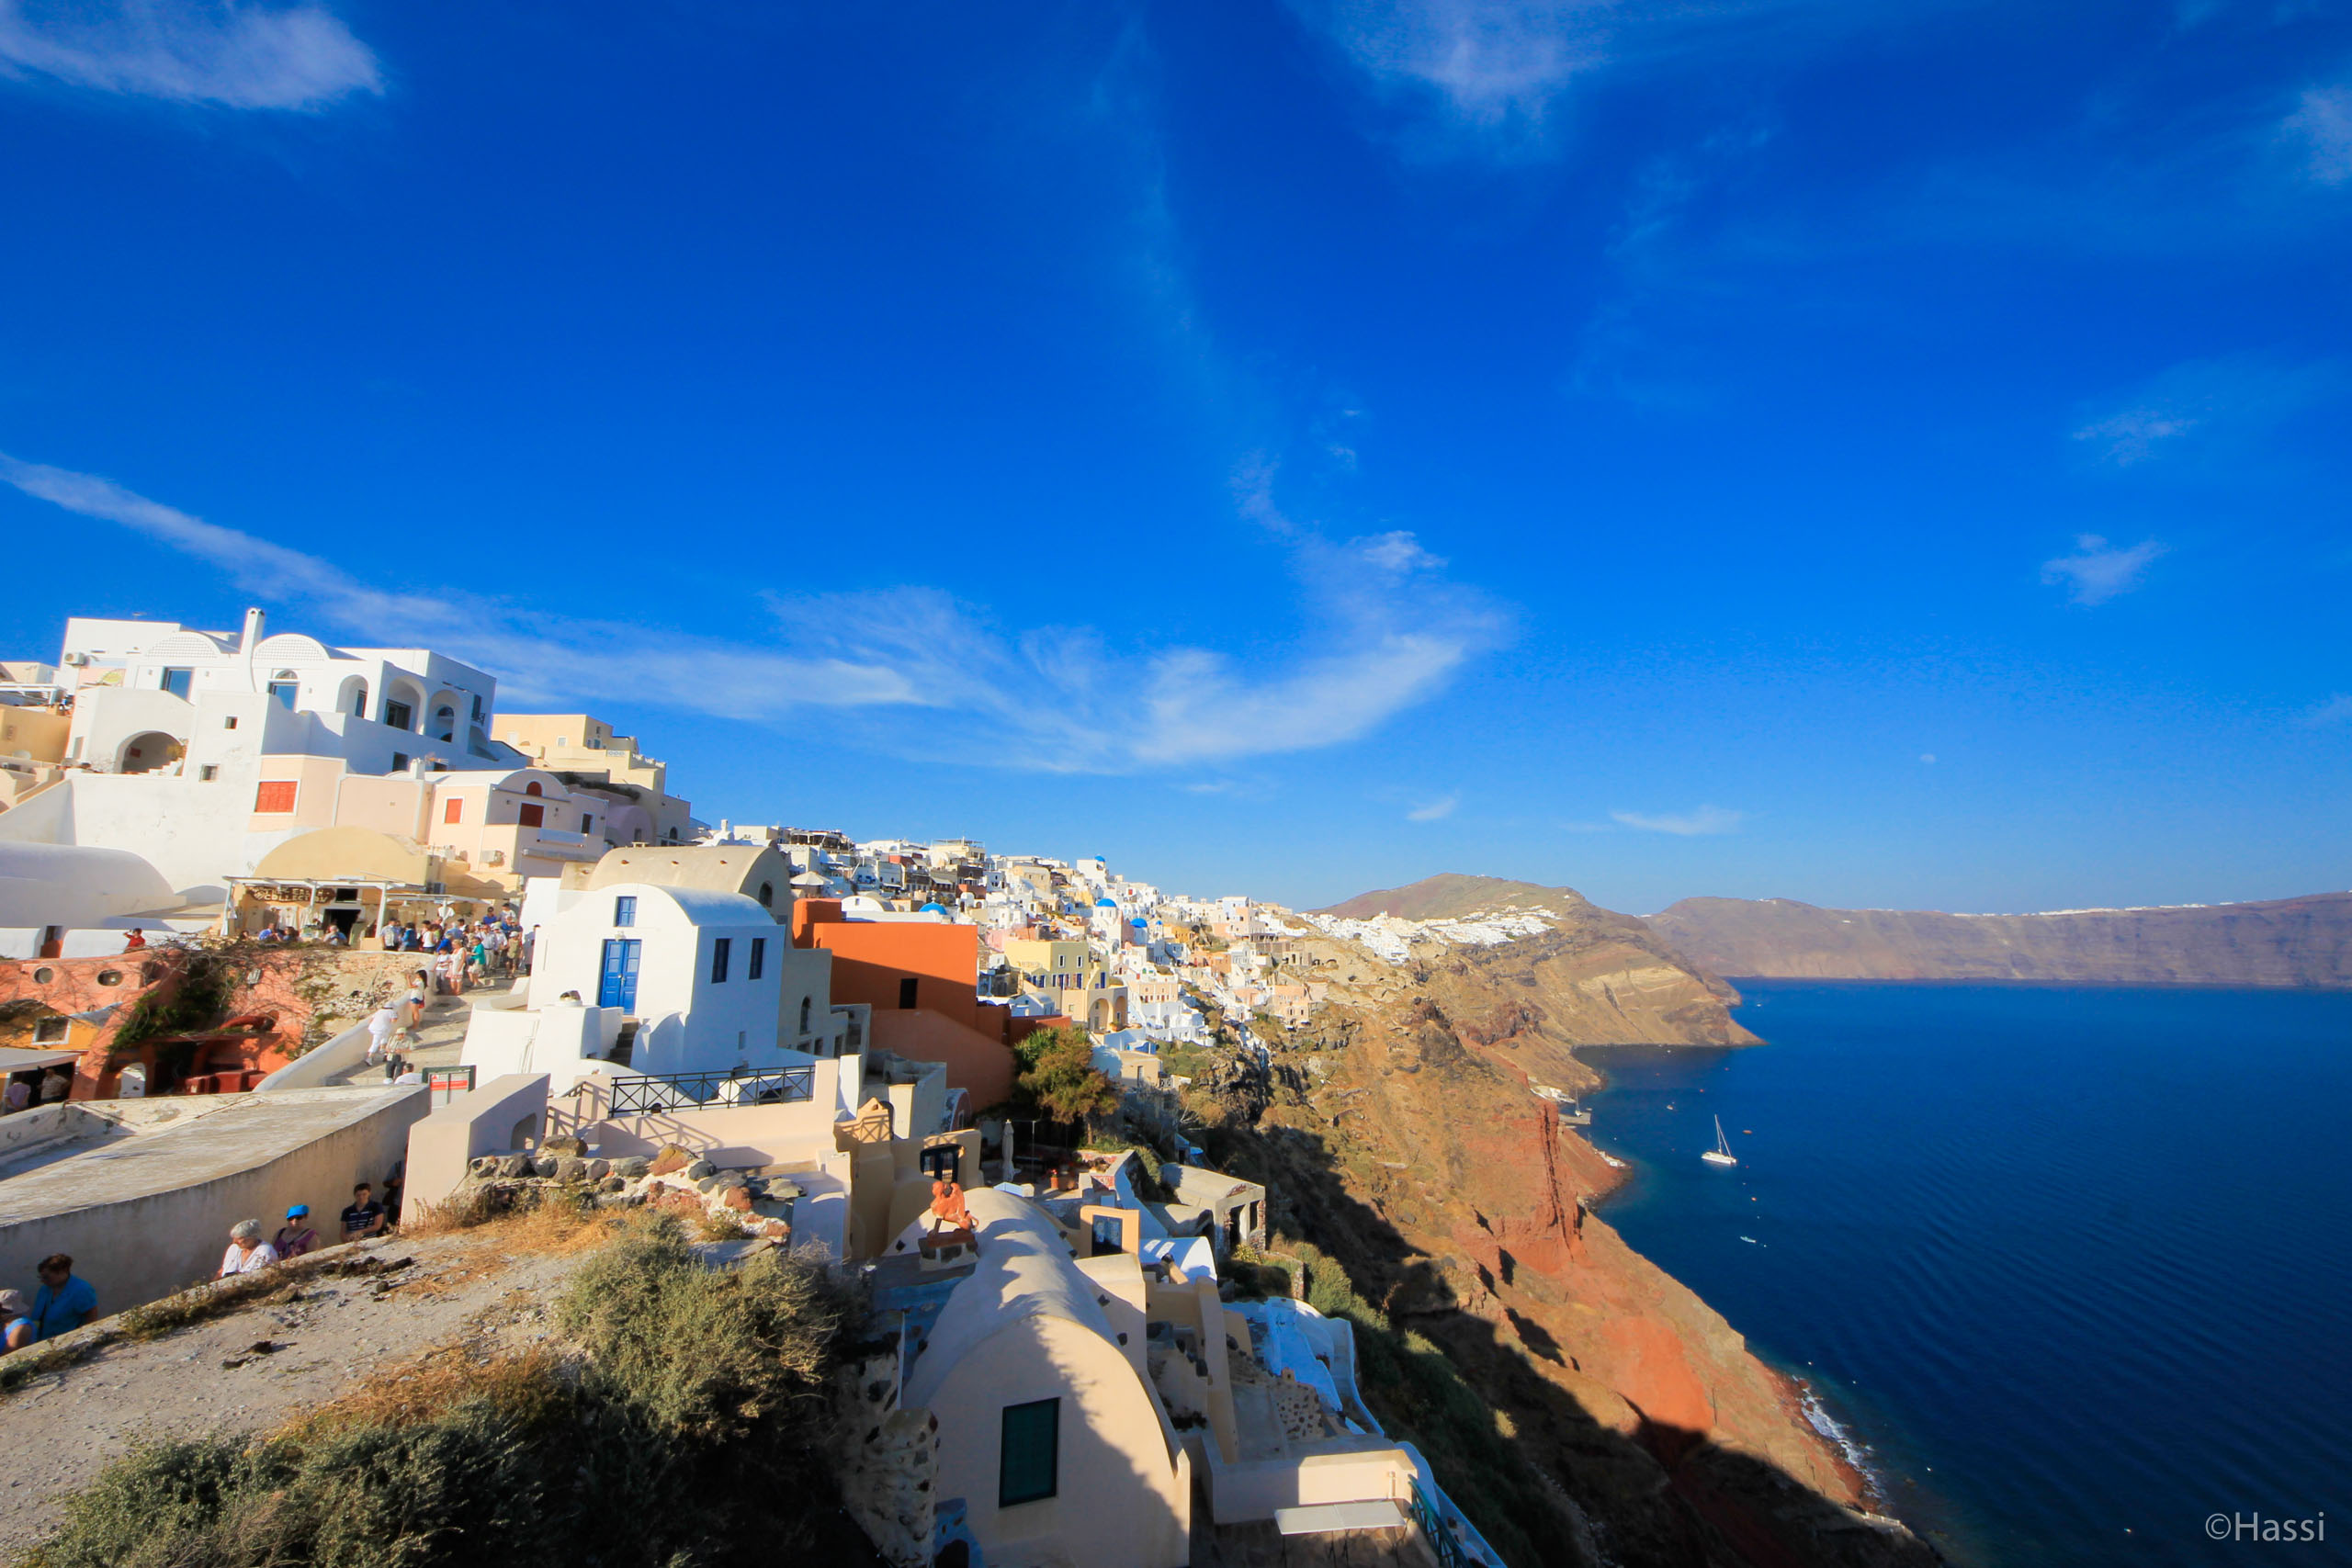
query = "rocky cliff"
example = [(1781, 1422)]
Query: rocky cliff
[(2287, 942), (1402, 1135)]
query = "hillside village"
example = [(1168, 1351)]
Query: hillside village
[(228, 859)]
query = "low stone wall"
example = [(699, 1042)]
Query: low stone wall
[(152, 1214), (354, 1256), (887, 1459)]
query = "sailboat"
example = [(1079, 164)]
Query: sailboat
[(1721, 1153)]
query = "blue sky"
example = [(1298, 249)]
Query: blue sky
[(1885, 456)]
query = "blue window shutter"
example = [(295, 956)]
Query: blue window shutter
[(1029, 1459)]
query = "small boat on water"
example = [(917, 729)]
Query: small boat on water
[(1721, 1153)]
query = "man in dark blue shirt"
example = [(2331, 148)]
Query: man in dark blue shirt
[(365, 1217)]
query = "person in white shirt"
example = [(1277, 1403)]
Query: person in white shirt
[(380, 1024), (247, 1251)]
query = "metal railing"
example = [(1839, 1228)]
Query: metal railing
[(635, 1095), (1443, 1542)]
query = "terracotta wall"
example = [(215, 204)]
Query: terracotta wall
[(872, 957), (53, 986), (978, 1064), (308, 991)]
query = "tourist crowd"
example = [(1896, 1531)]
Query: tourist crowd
[(63, 1301)]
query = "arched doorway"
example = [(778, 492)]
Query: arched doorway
[(403, 705), (145, 752)]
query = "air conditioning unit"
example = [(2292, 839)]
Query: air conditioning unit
[(493, 857), (77, 659)]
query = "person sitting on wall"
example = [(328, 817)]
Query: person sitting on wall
[(135, 941), (247, 1252), (947, 1202), (365, 1217), (17, 1328), (295, 1237), (63, 1303)]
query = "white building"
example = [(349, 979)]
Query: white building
[(144, 690), (674, 981), (201, 751)]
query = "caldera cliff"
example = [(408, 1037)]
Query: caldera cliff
[(1581, 1404), (2286, 942)]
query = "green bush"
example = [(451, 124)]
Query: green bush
[(1059, 1078)]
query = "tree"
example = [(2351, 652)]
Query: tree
[(1058, 1078)]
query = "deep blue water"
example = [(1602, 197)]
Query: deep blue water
[(2075, 1262)]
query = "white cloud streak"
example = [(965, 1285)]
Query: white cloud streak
[(2218, 402), (229, 53), (2099, 572), (1435, 811), (2134, 435), (1706, 819), (1389, 634), (2337, 710), (1498, 71), (2322, 130), (1496, 64)]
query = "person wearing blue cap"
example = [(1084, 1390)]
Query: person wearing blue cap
[(296, 1237)]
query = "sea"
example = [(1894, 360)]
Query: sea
[(2069, 1267)]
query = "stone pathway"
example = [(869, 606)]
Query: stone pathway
[(442, 1035)]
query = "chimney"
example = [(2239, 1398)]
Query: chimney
[(253, 630)]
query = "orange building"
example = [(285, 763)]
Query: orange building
[(921, 980)]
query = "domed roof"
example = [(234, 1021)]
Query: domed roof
[(932, 909), (1104, 904), (755, 871)]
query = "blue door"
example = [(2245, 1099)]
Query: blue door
[(619, 987)]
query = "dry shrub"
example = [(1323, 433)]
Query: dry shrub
[(562, 1228), (520, 1219), (756, 1340), (154, 1319), (522, 1388)]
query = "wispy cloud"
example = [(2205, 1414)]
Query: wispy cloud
[(2128, 437), (1688, 824), (1491, 76), (246, 56), (1493, 65), (2216, 401), (1385, 633), (2321, 129), (2337, 710), (1436, 811), (2098, 570)]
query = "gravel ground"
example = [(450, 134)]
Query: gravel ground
[(61, 1428)]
